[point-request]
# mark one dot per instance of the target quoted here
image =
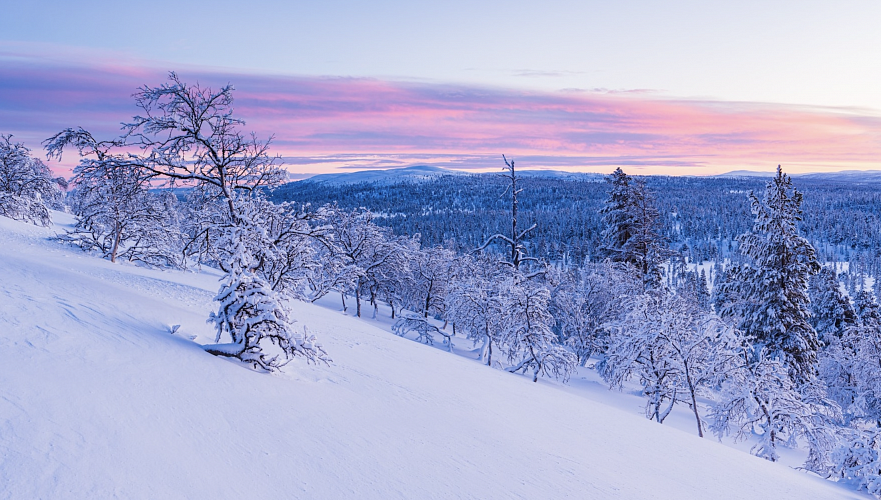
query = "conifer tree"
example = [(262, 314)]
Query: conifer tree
[(831, 311), (768, 295), (631, 231), (616, 218)]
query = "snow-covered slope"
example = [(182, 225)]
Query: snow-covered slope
[(99, 400)]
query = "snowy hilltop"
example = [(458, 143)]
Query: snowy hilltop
[(100, 400)]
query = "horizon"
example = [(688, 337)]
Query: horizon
[(297, 177), (652, 87)]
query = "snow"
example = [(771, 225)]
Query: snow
[(99, 400)]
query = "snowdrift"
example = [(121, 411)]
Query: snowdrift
[(99, 400)]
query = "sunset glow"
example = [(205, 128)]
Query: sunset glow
[(327, 124)]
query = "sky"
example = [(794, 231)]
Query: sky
[(672, 87)]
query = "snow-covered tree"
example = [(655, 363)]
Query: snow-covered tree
[(431, 272), (525, 330), (425, 330), (473, 305), (856, 460), (366, 253), (761, 397), (386, 266), (695, 286), (586, 300), (188, 135), (286, 251), (516, 241), (617, 227), (27, 189), (831, 311), (116, 213), (867, 309), (768, 296), (850, 365), (632, 228), (645, 249), (676, 350), (251, 315)]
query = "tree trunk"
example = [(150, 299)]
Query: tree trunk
[(664, 415), (489, 351), (116, 237), (697, 416)]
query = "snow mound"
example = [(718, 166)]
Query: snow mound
[(98, 399)]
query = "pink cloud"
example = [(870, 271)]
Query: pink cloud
[(325, 123)]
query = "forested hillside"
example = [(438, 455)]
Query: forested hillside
[(842, 218)]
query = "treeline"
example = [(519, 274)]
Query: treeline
[(842, 219)]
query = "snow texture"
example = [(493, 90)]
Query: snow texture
[(99, 400)]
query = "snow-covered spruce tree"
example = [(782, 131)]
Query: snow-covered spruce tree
[(768, 295), (695, 286), (617, 226), (27, 189), (678, 351), (632, 228), (250, 314), (759, 396), (116, 213), (525, 330), (645, 249), (831, 311), (867, 309)]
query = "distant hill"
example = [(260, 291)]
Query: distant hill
[(384, 177), (560, 174), (744, 173), (420, 173), (863, 176)]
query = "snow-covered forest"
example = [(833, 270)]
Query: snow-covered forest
[(700, 216), (750, 303)]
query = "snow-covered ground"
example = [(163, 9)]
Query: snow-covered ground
[(99, 400)]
